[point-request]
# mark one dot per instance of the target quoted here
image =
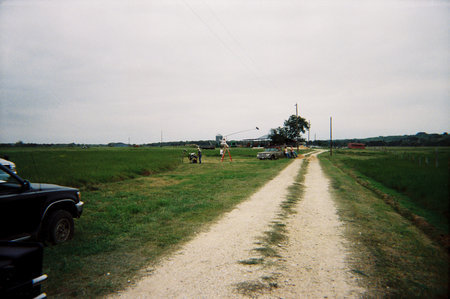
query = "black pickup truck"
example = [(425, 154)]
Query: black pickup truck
[(21, 270), (41, 212)]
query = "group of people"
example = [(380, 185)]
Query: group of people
[(290, 153), (193, 158)]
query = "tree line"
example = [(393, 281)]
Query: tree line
[(420, 139)]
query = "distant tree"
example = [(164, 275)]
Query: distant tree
[(294, 126), (290, 133), (278, 135)]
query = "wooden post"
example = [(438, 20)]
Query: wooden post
[(309, 129)]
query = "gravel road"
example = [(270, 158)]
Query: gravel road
[(312, 264), (315, 258)]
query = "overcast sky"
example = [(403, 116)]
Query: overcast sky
[(100, 71)]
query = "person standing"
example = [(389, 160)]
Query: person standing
[(199, 152)]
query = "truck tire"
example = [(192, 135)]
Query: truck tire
[(60, 227)]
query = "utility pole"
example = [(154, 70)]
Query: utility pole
[(296, 114), (309, 129), (331, 136)]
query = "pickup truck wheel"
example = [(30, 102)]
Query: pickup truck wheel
[(60, 227)]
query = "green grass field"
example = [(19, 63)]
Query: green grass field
[(87, 167), (418, 178), (390, 255), (139, 205), (142, 203)]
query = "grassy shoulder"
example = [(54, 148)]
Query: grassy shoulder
[(416, 178), (391, 255), (130, 223)]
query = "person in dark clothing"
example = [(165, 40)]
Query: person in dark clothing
[(199, 151)]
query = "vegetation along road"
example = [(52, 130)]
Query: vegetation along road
[(360, 223), (289, 242), (232, 257)]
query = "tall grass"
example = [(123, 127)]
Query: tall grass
[(88, 167), (391, 256), (422, 175)]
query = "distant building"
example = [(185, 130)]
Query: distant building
[(256, 142), (357, 145), (117, 144), (219, 138)]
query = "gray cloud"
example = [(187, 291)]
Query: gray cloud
[(102, 71)]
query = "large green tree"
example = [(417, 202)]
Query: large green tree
[(294, 126), (290, 133)]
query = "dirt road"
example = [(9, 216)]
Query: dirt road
[(315, 258), (312, 263)]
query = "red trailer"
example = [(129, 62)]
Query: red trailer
[(357, 145)]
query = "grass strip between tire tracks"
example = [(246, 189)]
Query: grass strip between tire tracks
[(270, 242)]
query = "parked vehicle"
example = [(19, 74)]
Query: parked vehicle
[(8, 164), (36, 211), (270, 153), (21, 270)]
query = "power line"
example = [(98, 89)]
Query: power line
[(235, 40), (223, 43), (245, 53)]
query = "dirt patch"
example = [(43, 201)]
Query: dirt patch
[(312, 158), (159, 182)]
